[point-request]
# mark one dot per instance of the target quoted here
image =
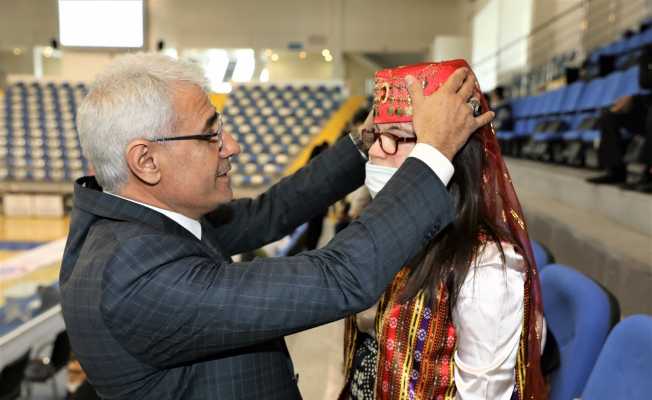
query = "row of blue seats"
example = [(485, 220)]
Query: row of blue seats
[(624, 51), (600, 358), (65, 84), (555, 119)]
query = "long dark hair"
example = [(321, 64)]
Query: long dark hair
[(448, 257)]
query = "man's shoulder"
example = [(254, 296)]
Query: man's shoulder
[(135, 235), (108, 241)]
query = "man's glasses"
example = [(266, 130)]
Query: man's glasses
[(214, 136), (388, 141)]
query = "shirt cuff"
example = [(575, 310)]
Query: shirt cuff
[(437, 162)]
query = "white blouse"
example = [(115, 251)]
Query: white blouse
[(488, 318)]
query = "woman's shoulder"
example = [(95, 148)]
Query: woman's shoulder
[(489, 256), (492, 277)]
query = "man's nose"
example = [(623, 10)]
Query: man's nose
[(230, 146)]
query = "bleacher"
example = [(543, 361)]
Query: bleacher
[(560, 125), (272, 123), (38, 140)]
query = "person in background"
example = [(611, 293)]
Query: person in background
[(464, 318), (504, 120), (310, 238), (631, 113)]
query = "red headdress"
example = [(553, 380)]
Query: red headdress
[(392, 101)]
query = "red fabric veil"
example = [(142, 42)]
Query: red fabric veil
[(392, 104)]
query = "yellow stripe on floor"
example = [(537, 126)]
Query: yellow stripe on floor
[(218, 100)]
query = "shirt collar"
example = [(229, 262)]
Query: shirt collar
[(193, 226)]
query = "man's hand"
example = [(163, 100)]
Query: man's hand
[(622, 105), (444, 119)]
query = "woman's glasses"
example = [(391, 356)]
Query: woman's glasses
[(388, 141)]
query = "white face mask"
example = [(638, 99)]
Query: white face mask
[(376, 177)]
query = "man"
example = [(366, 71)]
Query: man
[(633, 113), (153, 305), (504, 120)]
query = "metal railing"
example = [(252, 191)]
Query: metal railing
[(565, 39)]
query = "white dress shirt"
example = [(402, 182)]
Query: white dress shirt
[(440, 165), (192, 225)]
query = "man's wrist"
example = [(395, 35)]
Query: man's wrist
[(356, 138), (448, 153), (433, 158)]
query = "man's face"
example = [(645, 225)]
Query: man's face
[(379, 157), (194, 178)]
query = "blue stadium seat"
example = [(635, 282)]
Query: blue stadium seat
[(541, 255), (623, 368), (578, 313), (646, 37), (592, 95), (611, 90), (631, 85), (574, 127), (519, 107)]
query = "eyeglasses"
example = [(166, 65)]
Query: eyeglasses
[(215, 135), (388, 141)]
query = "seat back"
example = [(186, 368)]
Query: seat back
[(530, 105), (592, 95), (578, 314), (541, 255), (623, 368), (631, 85), (519, 107), (573, 93), (611, 89)]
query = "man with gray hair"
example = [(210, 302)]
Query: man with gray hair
[(153, 304)]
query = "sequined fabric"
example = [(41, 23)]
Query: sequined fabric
[(363, 374)]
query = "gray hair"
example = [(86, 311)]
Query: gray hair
[(131, 99)]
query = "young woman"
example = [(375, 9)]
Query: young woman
[(464, 319)]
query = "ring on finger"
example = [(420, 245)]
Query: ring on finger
[(475, 106)]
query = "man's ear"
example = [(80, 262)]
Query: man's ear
[(143, 161)]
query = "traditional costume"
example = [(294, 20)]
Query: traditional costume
[(425, 349)]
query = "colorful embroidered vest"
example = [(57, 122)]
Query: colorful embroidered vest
[(416, 346)]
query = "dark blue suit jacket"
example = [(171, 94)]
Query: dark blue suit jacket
[(154, 313)]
